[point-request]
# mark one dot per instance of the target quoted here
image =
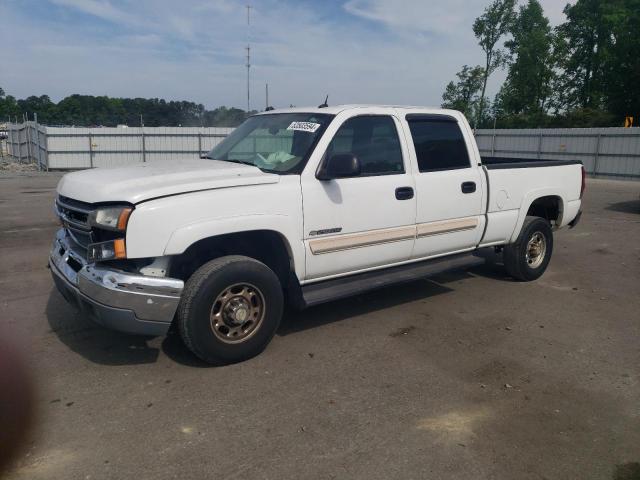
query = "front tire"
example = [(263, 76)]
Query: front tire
[(528, 258), (230, 309)]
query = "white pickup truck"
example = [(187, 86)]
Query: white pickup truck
[(302, 205)]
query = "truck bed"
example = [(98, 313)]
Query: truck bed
[(495, 163)]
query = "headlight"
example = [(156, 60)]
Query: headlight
[(111, 250), (111, 218)]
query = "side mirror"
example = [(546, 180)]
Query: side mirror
[(340, 165)]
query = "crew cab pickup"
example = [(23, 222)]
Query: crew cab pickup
[(301, 205)]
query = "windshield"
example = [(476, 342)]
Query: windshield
[(277, 142)]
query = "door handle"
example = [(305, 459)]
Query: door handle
[(404, 193), (468, 187)]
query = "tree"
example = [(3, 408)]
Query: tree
[(42, 105), (528, 84), (87, 110), (489, 28), (585, 44), (622, 70), (8, 106), (463, 94)]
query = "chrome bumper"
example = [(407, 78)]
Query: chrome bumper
[(115, 299)]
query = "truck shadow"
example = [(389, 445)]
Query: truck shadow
[(493, 267), (294, 321), (388, 297), (93, 342), (107, 347), (376, 300)]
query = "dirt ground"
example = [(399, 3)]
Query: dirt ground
[(467, 376)]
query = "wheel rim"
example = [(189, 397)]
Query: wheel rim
[(536, 250), (237, 312)]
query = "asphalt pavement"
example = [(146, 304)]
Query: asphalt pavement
[(466, 376)]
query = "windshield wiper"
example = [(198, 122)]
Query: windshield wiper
[(242, 162), (226, 160)]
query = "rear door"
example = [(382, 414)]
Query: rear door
[(357, 223), (449, 186)]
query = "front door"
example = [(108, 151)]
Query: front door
[(362, 222)]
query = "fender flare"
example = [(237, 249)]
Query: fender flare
[(528, 200), (185, 236)]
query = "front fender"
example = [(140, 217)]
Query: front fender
[(185, 236)]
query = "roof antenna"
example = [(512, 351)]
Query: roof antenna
[(325, 104)]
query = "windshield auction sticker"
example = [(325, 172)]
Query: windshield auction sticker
[(304, 126)]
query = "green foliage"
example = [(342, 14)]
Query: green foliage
[(599, 57), (88, 110), (527, 87), (489, 28), (585, 44), (621, 82), (578, 118), (463, 95), (585, 73)]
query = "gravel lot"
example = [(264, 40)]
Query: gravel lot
[(469, 376)]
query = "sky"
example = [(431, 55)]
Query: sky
[(356, 51)]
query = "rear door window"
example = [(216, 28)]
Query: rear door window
[(439, 144)]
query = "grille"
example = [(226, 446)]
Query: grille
[(75, 218)]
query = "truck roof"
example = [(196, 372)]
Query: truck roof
[(335, 109)]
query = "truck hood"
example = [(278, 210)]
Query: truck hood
[(145, 181)]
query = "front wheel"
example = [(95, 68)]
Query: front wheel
[(230, 309), (528, 258)]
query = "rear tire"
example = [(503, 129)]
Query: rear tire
[(528, 258), (230, 309)]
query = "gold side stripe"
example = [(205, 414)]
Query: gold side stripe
[(378, 237), (447, 226), (357, 240)]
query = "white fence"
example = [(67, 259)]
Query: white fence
[(603, 151), (75, 148)]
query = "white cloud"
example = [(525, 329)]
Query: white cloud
[(402, 51), (99, 8), (448, 17), (417, 15)]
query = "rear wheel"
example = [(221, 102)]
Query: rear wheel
[(230, 309), (528, 258)]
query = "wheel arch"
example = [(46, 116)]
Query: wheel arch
[(282, 228), (270, 247), (545, 203)]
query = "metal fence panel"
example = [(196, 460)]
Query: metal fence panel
[(603, 151), (71, 148), (26, 143)]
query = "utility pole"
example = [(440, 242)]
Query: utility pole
[(266, 89), (248, 57)]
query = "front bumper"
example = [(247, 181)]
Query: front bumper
[(115, 299)]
